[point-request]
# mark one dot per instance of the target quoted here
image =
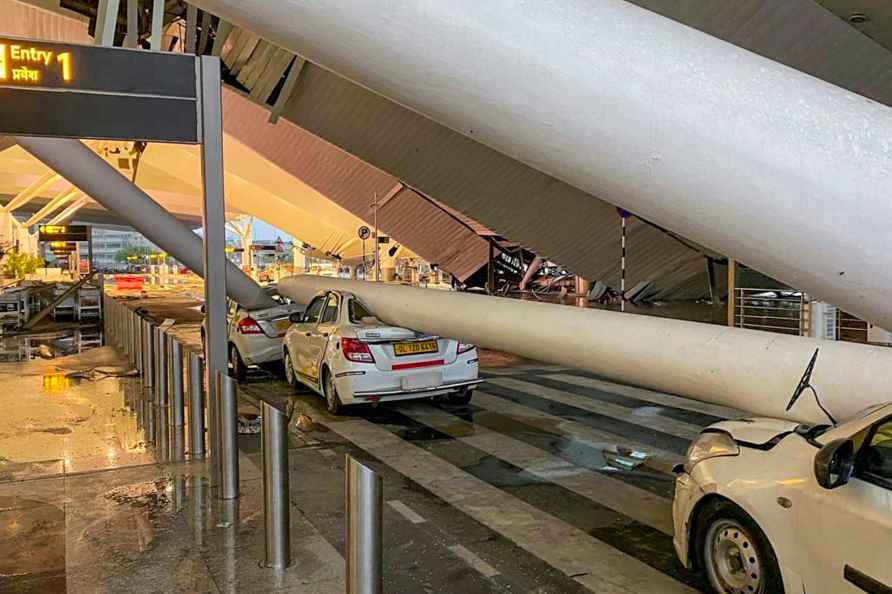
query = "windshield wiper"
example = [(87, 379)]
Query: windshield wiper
[(805, 383)]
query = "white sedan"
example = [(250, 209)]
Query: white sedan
[(255, 337), (768, 506), (341, 351)]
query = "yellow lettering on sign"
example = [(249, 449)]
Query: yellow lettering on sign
[(65, 59), (25, 74), (22, 63)]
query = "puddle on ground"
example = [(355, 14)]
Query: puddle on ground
[(32, 549), (72, 340)]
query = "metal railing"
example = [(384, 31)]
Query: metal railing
[(850, 328), (772, 311)]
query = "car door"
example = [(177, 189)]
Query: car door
[(847, 532), (317, 338), (300, 335)]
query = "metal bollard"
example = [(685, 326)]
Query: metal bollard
[(364, 529), (148, 356), (276, 492), (161, 369), (228, 457), (175, 364), (196, 405), (133, 324), (137, 341), (213, 441)]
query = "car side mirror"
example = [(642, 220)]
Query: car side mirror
[(835, 463), (296, 318)]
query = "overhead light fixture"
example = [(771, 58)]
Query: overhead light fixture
[(858, 18)]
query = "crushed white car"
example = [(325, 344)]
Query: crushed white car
[(768, 506)]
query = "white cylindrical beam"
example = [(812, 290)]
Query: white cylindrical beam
[(99, 180), (743, 369), (752, 159)]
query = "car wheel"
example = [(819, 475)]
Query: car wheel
[(332, 401), (238, 367), (463, 396), (735, 553), (290, 374)]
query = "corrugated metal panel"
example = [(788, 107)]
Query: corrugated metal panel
[(24, 20), (475, 226), (351, 183), (547, 216), (457, 247)]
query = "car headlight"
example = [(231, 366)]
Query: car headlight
[(711, 444)]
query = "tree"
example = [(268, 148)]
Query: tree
[(18, 264), (124, 254)]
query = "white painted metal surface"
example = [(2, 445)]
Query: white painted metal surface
[(725, 147), (743, 369)]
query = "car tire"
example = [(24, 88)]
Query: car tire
[(236, 364), (734, 553), (463, 396), (332, 400), (290, 374)]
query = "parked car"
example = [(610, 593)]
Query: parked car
[(341, 351), (254, 338), (769, 506)]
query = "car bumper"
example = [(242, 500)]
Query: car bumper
[(417, 393)]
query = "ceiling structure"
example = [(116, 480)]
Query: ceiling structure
[(292, 192), (552, 218), (340, 144)]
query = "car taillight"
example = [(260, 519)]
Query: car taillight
[(356, 350), (464, 347), (249, 326)]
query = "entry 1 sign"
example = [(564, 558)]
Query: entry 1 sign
[(87, 91)]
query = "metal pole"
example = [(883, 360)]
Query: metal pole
[(161, 369), (212, 395), (196, 405), (276, 491), (149, 345), (176, 382), (229, 474), (732, 292), (364, 529), (133, 328), (622, 281)]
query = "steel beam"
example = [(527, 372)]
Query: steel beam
[(713, 142), (102, 182), (743, 369)]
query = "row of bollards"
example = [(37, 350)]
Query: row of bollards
[(162, 363), (159, 358)]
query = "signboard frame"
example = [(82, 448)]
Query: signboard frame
[(98, 92)]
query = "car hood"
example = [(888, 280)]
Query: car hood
[(756, 431)]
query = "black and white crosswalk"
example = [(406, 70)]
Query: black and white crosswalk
[(551, 480)]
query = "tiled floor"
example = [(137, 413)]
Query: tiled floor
[(551, 481)]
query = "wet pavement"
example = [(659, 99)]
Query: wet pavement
[(550, 481)]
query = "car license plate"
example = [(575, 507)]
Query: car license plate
[(421, 381), (402, 349), (282, 325)]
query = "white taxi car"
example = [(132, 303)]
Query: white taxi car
[(341, 351), (254, 337), (768, 506)]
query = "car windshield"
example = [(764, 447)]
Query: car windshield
[(359, 314)]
